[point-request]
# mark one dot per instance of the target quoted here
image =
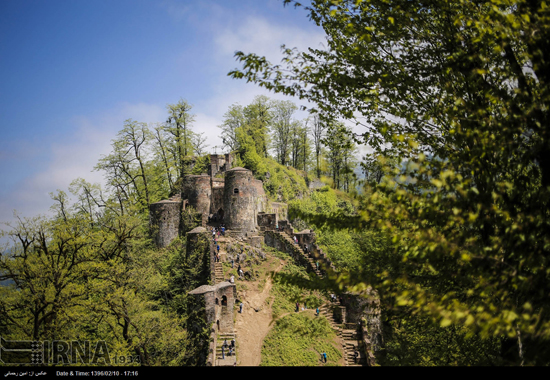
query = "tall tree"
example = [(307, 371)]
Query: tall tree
[(340, 148), (318, 133), (300, 145), (179, 125), (160, 148), (234, 118), (283, 127), (136, 136), (258, 120)]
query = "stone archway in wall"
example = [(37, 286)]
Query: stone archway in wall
[(220, 213)]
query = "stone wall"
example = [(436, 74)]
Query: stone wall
[(242, 199), (277, 241), (164, 218), (217, 201), (278, 208), (305, 237), (198, 191), (266, 221), (220, 163)]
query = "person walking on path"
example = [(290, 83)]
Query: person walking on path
[(324, 355), (241, 308), (297, 307), (232, 279), (317, 264), (317, 311), (223, 351)]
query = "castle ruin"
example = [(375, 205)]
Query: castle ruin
[(227, 194), (233, 196)]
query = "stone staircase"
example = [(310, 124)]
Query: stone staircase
[(218, 272), (351, 342), (228, 360), (327, 313), (309, 259)]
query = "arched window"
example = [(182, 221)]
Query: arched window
[(224, 301)]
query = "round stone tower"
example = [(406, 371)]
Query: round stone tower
[(165, 219), (243, 198), (197, 190)]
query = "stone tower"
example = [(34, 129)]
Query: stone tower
[(243, 198), (198, 191), (165, 217)]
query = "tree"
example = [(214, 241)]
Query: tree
[(283, 126), (258, 120), (161, 150), (340, 149), (300, 145), (461, 91), (234, 118), (135, 136), (318, 133), (179, 125)]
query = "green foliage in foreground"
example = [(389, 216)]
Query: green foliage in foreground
[(298, 340), (412, 340), (460, 92)]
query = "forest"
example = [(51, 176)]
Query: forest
[(447, 216)]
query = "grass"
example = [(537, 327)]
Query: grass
[(286, 294), (298, 340)]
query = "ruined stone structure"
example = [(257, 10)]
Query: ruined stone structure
[(197, 189), (165, 218), (243, 199), (219, 301), (227, 194), (235, 197), (220, 163)]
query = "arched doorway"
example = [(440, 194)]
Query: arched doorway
[(220, 214)]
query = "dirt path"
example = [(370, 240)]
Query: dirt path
[(254, 323)]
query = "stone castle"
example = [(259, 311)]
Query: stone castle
[(227, 194), (232, 196)]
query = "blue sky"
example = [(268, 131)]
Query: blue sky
[(72, 71)]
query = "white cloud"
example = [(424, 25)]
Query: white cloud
[(258, 35)]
